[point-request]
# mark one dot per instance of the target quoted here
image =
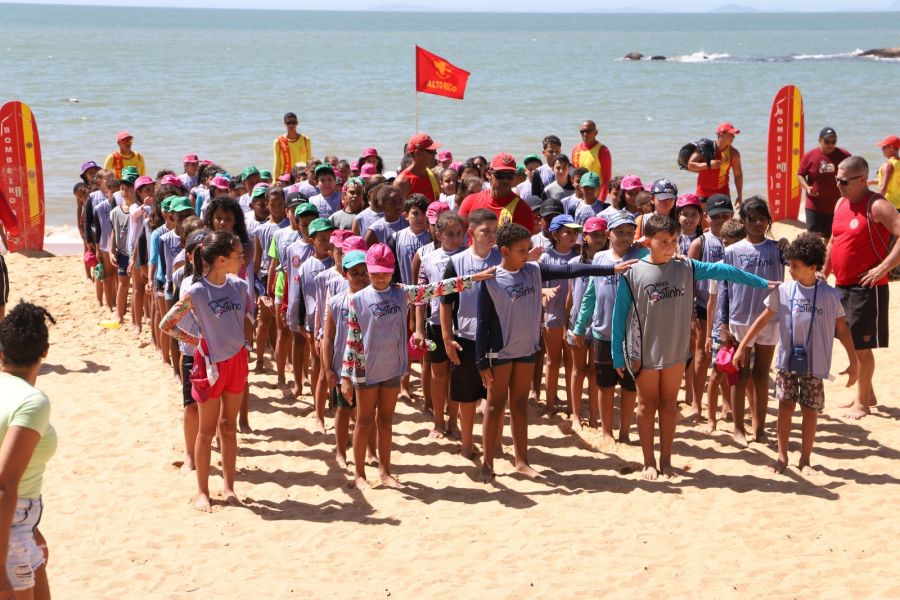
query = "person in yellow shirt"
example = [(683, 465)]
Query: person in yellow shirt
[(889, 172), (593, 156), (124, 156), (291, 148)]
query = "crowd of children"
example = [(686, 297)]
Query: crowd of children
[(347, 274)]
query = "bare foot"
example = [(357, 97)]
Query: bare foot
[(487, 474), (244, 427), (320, 425), (371, 459), (388, 480), (470, 453), (778, 466), (726, 416), (593, 423), (436, 434), (761, 437), (296, 390), (607, 442), (452, 433), (624, 438), (710, 427), (202, 503), (846, 404), (857, 412), (650, 473), (259, 369), (807, 469), (526, 470), (341, 459), (188, 465), (740, 438), (231, 498), (575, 423), (361, 483), (667, 471)]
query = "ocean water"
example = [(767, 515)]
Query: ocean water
[(216, 82)]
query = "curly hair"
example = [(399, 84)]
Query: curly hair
[(808, 248), (511, 233), (23, 334), (227, 203)]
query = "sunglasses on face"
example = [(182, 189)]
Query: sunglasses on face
[(846, 180), (584, 131), (290, 122), (505, 176)]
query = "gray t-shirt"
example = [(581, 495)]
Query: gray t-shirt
[(120, 225)]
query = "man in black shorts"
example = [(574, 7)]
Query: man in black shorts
[(816, 176)]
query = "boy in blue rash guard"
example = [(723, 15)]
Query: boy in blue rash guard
[(459, 318), (508, 336), (375, 358), (652, 332), (809, 313)]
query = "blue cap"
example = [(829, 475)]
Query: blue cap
[(623, 217), (353, 258), (561, 221), (664, 189)]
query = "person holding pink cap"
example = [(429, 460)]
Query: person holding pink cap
[(370, 157), (500, 198), (124, 156), (190, 177), (375, 357), (712, 176), (889, 172), (291, 148), (444, 158), (418, 177)]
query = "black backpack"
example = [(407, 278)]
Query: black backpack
[(704, 146)]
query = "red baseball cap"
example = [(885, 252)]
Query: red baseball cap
[(421, 141), (595, 224), (891, 140), (444, 155), (380, 259), (123, 135), (190, 158), (503, 162), (434, 211), (727, 127)]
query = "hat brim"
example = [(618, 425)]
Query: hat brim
[(634, 187), (665, 196), (379, 269), (352, 263), (718, 211), (305, 213), (504, 168)]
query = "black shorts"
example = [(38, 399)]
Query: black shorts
[(867, 315), (607, 376), (465, 380), (820, 223), (700, 311), (187, 363), (337, 399), (499, 362), (4, 282), (142, 252), (433, 333)]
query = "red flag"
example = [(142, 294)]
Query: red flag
[(434, 75)]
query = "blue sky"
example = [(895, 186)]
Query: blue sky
[(518, 5)]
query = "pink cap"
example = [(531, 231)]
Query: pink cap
[(354, 166), (595, 224), (434, 211), (190, 158), (369, 152), (444, 155), (503, 162), (123, 135), (206, 162), (368, 170), (724, 364), (172, 180), (631, 182), (142, 181), (689, 200), (284, 178), (727, 127), (338, 236), (455, 165), (354, 242), (380, 259), (221, 183)]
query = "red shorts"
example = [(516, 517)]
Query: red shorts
[(232, 376)]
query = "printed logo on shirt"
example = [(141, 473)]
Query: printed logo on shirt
[(826, 166), (803, 305), (755, 260), (223, 305), (384, 309), (295, 261), (519, 290), (608, 280), (662, 291), (716, 254)]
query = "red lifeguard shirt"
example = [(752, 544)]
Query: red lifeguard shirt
[(427, 185), (715, 181), (858, 243), (483, 199)]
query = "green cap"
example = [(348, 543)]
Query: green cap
[(590, 179), (520, 170), (179, 203), (353, 258), (251, 170), (129, 175), (259, 189), (326, 169), (319, 225), (531, 158), (166, 204), (264, 174), (307, 208)]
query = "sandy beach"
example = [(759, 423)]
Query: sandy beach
[(119, 523)]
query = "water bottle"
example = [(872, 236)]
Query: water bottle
[(430, 345)]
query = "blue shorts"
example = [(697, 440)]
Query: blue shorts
[(122, 264)]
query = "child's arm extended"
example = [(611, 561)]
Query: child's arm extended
[(843, 333), (623, 304), (169, 323), (573, 270), (758, 325), (723, 272), (427, 291), (353, 366), (585, 312)]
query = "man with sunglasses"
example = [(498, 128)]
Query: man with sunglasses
[(593, 156), (418, 178), (291, 148), (500, 199), (860, 254), (816, 177)]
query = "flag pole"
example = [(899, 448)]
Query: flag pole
[(417, 112)]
